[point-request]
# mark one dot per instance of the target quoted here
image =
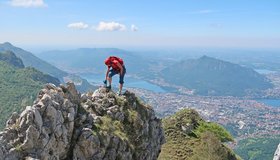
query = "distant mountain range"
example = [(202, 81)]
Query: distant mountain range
[(210, 76), (30, 60), (18, 85), (206, 75), (91, 60)]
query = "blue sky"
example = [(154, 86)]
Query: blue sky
[(143, 23)]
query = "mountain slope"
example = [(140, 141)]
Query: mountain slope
[(30, 60), (10, 58), (18, 86), (210, 76), (62, 124), (188, 136)]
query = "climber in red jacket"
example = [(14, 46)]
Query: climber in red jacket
[(115, 66)]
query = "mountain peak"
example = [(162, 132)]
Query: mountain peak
[(204, 57), (211, 76), (6, 44), (62, 124)]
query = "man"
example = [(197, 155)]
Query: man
[(115, 65)]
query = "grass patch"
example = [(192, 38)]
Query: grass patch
[(121, 101), (15, 126), (215, 128), (110, 126), (132, 116), (211, 148), (18, 148)]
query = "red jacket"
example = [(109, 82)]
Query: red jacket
[(113, 62)]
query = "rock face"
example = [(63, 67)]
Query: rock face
[(62, 124), (277, 153)]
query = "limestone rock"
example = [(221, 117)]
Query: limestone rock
[(63, 124)]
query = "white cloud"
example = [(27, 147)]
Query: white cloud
[(133, 28), (78, 25), (28, 3), (110, 26)]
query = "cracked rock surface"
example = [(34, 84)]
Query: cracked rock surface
[(63, 124)]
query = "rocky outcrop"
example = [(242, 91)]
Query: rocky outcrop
[(62, 124), (277, 153)]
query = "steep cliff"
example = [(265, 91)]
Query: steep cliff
[(62, 124)]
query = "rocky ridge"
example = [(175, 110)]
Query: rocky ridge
[(63, 124)]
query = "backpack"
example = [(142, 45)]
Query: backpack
[(111, 58)]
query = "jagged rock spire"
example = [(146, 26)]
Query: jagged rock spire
[(62, 124)]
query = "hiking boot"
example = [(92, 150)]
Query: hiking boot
[(119, 93), (108, 87), (105, 83)]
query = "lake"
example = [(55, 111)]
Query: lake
[(128, 82), (270, 102), (264, 71)]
